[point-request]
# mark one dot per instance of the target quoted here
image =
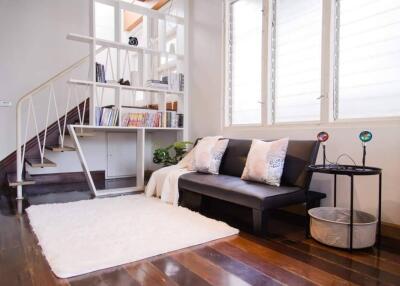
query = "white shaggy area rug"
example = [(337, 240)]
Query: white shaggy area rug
[(85, 236)]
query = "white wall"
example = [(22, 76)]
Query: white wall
[(206, 62), (205, 66), (33, 47)]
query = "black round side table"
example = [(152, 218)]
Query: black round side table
[(351, 171)]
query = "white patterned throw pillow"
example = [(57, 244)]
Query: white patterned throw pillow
[(208, 154), (265, 161)]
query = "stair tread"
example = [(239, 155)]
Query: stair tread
[(12, 181), (59, 148), (85, 134), (36, 163)]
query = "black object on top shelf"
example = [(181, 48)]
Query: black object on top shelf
[(133, 41)]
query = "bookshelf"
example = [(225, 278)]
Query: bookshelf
[(160, 55)]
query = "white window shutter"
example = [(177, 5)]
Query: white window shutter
[(244, 27), (368, 58), (296, 66)]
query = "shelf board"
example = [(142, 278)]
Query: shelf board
[(112, 44), (124, 128), (125, 87)]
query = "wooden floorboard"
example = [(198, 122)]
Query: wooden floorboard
[(148, 275), (240, 269), (281, 268), (318, 267), (348, 263), (285, 257), (179, 273), (210, 272), (358, 256)]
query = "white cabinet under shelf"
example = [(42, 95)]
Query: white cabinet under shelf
[(121, 155)]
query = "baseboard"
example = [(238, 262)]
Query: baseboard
[(66, 178), (391, 230)]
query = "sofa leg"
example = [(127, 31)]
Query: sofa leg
[(190, 200), (258, 222)]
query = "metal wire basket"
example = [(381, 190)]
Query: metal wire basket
[(331, 226)]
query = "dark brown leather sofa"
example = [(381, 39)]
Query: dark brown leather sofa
[(228, 186)]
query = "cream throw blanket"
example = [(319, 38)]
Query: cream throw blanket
[(163, 183)]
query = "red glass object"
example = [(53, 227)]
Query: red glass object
[(323, 136)]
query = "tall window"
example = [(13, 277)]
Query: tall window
[(305, 48), (244, 19), (296, 60), (368, 64)]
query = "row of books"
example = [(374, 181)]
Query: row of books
[(100, 73), (153, 119), (142, 119), (174, 120), (158, 84), (106, 116), (176, 81), (173, 82)]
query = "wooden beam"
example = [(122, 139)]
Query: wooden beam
[(132, 20)]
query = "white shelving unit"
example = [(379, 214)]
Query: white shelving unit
[(154, 22)]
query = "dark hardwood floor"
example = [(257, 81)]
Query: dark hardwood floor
[(285, 257)]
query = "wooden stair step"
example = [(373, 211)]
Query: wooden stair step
[(12, 181), (82, 133), (59, 148), (85, 134), (36, 163)]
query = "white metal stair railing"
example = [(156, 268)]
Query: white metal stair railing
[(32, 118)]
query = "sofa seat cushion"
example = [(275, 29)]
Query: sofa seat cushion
[(245, 193)]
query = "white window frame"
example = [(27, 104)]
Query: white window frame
[(329, 95)]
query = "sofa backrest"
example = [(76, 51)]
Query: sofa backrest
[(299, 156)]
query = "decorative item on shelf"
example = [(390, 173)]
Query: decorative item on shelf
[(158, 84), (322, 138), (100, 73), (133, 41), (163, 155), (365, 136), (124, 82), (172, 105)]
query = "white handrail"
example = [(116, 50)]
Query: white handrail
[(29, 95)]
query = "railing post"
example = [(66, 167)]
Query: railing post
[(19, 153)]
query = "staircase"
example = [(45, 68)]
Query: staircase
[(36, 135), (32, 153)]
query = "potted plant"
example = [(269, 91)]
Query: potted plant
[(164, 156)]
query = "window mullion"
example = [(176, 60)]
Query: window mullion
[(335, 39), (272, 58), (328, 70)]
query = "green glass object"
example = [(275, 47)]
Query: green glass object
[(365, 136)]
